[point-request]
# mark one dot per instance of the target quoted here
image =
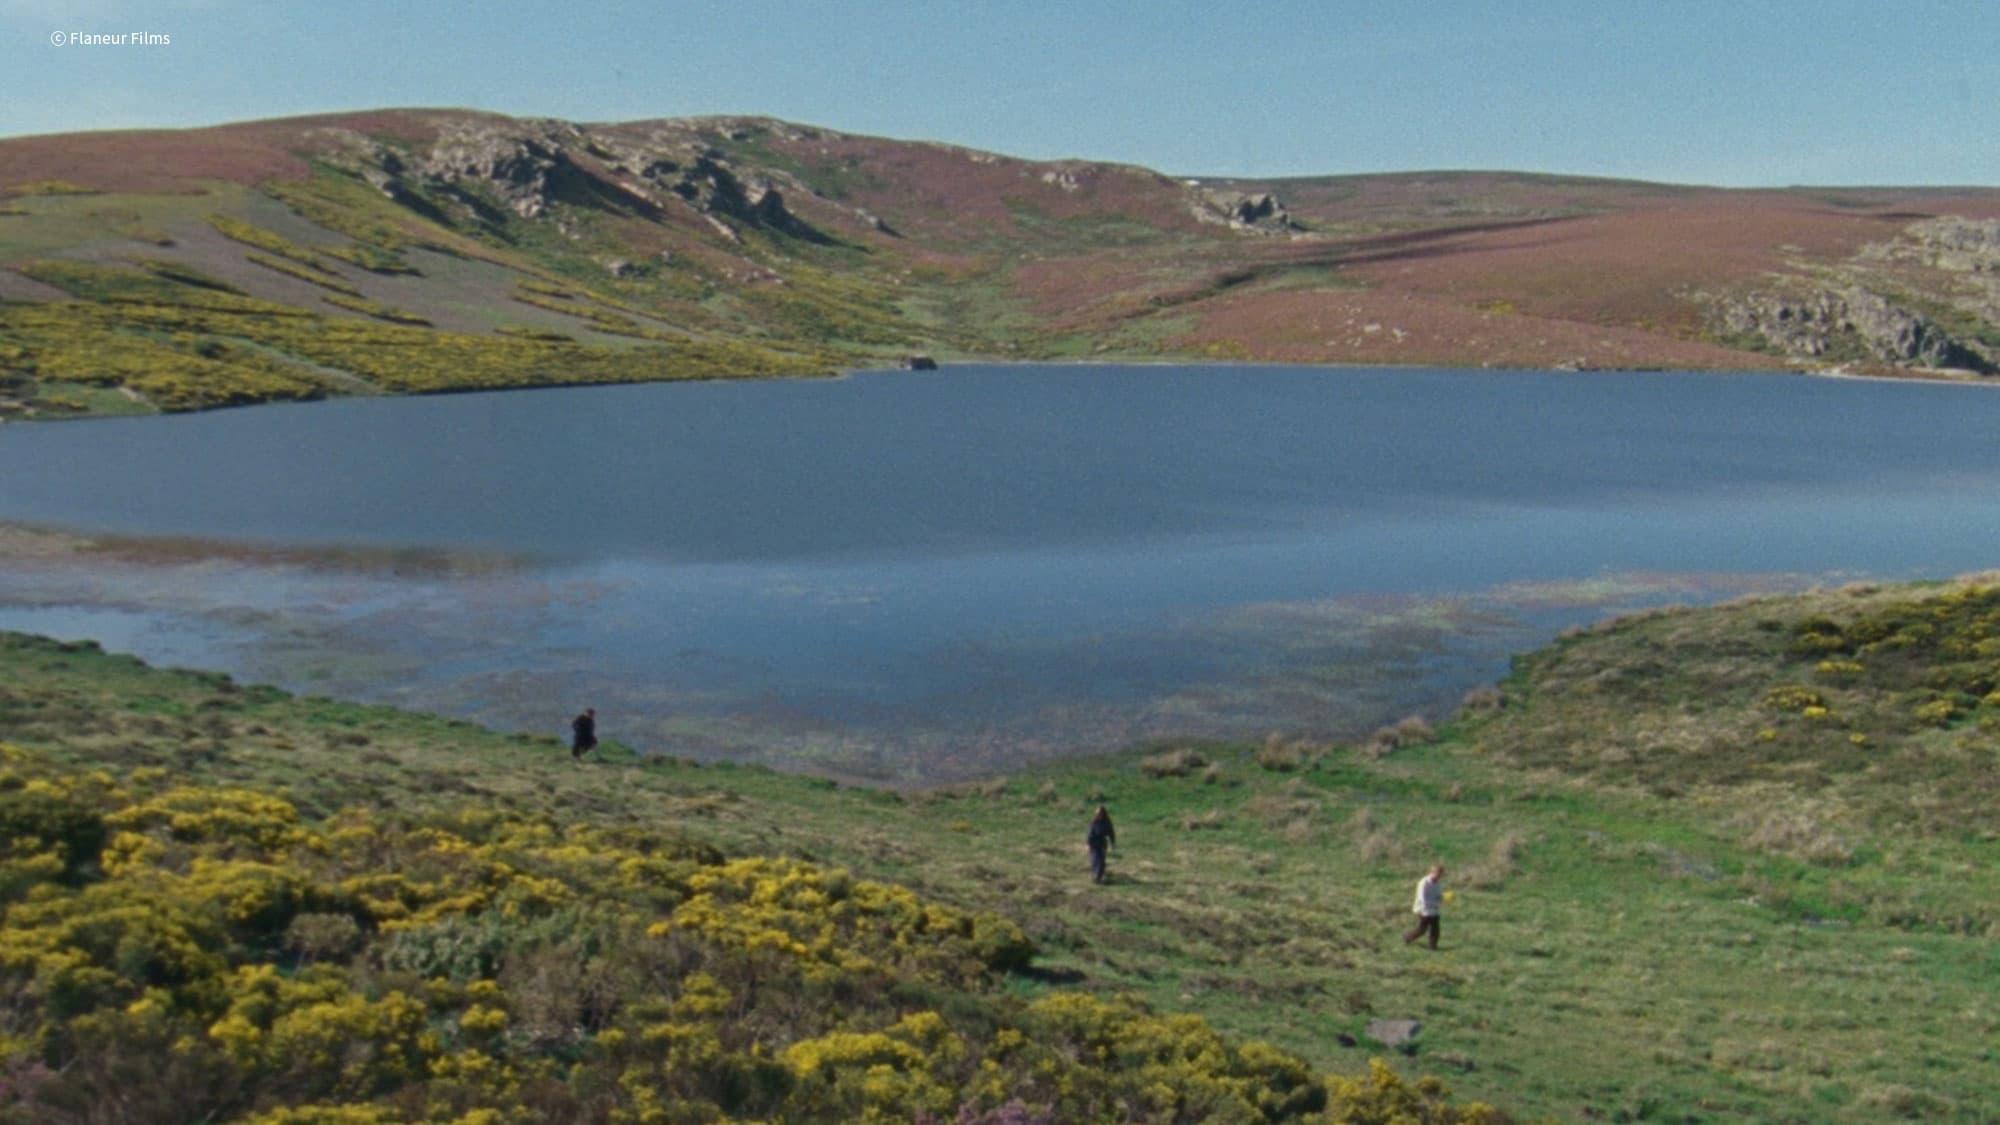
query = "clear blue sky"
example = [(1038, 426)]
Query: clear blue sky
[(1739, 92)]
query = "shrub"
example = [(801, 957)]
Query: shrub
[(1818, 636), (1482, 701), (356, 303), (1502, 861), (1936, 713), (1279, 756), (1172, 763), (250, 234), (311, 275), (316, 937), (43, 819), (1792, 697), (1414, 730), (186, 346), (228, 957)]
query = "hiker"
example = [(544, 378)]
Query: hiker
[(1430, 897), (1100, 839), (583, 733)]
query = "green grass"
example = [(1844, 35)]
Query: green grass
[(469, 920), (182, 342), (376, 309), (379, 227), (252, 235), (1649, 920), (310, 275)]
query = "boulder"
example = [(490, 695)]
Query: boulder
[(1393, 1033), (1258, 212)]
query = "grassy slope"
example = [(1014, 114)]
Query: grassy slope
[(487, 933), (890, 248), (1660, 910)]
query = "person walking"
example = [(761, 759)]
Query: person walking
[(1430, 900), (1100, 839), (583, 734)]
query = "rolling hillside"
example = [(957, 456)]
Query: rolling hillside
[(424, 250)]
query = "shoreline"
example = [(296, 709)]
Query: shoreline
[(1924, 377)]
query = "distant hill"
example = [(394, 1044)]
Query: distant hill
[(414, 250)]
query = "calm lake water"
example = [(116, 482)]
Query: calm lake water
[(935, 574)]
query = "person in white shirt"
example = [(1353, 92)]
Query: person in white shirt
[(1430, 898)]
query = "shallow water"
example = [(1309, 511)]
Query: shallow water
[(935, 574)]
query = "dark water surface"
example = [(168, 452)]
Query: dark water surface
[(939, 573)]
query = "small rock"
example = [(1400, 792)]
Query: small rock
[(1393, 1033)]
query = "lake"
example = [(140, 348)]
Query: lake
[(934, 575)]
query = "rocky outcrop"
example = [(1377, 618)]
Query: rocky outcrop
[(521, 167), (1947, 243), (527, 167), (1255, 212), (1849, 323)]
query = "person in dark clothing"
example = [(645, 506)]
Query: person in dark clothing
[(1100, 839), (583, 733)]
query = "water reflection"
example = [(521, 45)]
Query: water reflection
[(934, 576)]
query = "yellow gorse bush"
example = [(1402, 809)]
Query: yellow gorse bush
[(208, 953), (184, 342)]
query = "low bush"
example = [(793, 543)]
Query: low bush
[(1172, 763), (198, 953)]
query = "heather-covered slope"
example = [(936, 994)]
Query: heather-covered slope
[(408, 250)]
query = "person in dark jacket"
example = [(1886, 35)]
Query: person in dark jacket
[(583, 733), (1100, 839)]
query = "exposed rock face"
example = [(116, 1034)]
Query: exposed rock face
[(1826, 323), (1948, 243), (520, 168), (1254, 209), (1062, 178), (529, 166), (1259, 212)]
